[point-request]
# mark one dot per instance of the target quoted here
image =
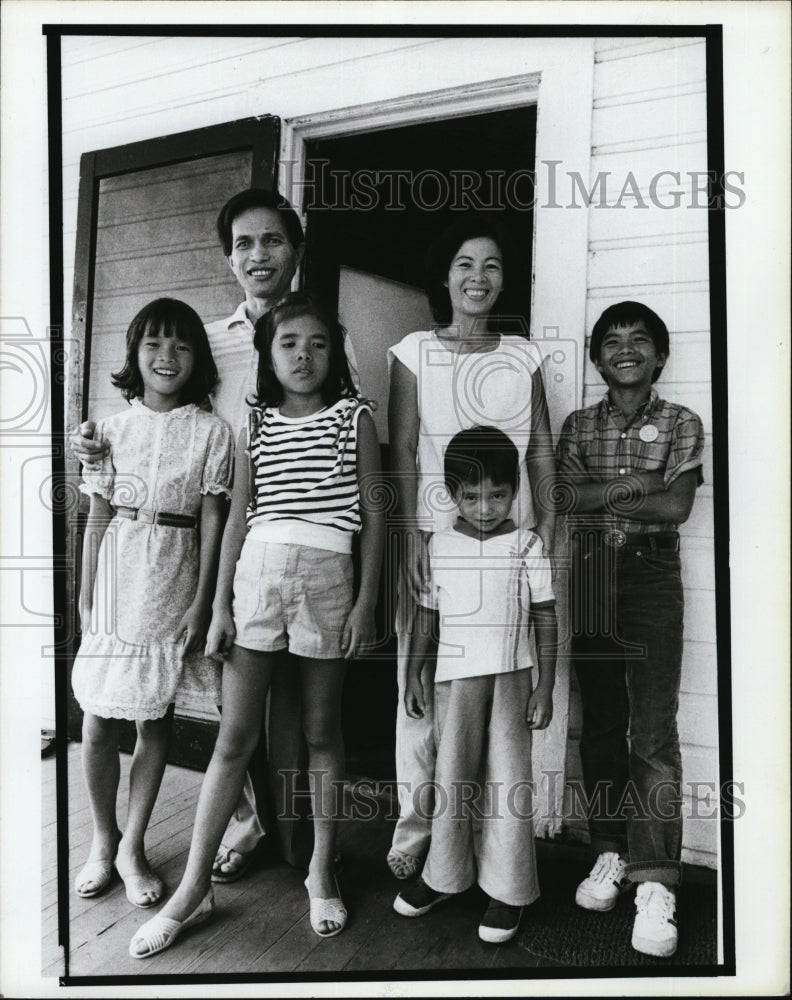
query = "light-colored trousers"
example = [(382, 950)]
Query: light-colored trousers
[(244, 829), (482, 827), (415, 746)]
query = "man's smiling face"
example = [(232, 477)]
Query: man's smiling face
[(262, 258)]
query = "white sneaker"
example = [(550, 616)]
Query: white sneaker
[(604, 885), (655, 929)]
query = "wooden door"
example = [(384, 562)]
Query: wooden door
[(146, 228)]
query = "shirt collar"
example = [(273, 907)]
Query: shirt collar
[(645, 408), (240, 316)]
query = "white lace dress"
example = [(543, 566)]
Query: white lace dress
[(129, 665)]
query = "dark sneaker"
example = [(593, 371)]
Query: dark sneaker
[(418, 899), (500, 922), (604, 885)]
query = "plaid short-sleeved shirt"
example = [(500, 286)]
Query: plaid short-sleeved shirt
[(610, 446)]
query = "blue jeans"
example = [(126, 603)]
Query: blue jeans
[(626, 612)]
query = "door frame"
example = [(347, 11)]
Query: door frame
[(564, 100), (562, 87)]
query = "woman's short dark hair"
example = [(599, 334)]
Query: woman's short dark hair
[(169, 318), (471, 226), (338, 384), (627, 314), (258, 198), (480, 453)]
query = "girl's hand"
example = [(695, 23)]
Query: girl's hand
[(192, 627), (540, 709), (415, 552), (414, 696), (359, 630), (221, 635)]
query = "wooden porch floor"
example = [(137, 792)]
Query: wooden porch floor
[(261, 924)]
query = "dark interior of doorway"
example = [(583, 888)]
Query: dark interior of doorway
[(375, 201)]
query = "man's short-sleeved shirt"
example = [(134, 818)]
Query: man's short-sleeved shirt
[(660, 437)]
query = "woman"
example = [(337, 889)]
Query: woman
[(460, 374)]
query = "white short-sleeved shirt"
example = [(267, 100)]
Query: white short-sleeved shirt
[(458, 391), (485, 588)]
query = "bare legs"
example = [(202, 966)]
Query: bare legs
[(101, 768), (322, 683), (246, 679)]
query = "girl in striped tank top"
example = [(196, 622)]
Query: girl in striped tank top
[(307, 470)]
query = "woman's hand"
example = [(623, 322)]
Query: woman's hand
[(221, 634), (414, 697), (418, 682), (539, 712), (359, 630), (192, 627)]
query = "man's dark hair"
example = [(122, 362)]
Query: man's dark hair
[(258, 198)]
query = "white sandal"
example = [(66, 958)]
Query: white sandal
[(160, 933), (327, 910), (98, 872)]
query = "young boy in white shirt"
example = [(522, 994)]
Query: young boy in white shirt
[(490, 581)]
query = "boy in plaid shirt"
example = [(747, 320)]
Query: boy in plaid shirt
[(630, 466)]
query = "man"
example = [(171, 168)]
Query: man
[(263, 244)]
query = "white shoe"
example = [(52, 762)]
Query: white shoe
[(604, 885), (327, 911), (655, 929), (160, 933)]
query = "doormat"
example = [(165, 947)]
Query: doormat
[(555, 927)]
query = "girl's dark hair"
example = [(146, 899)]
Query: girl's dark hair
[(440, 254), (627, 314), (169, 318), (480, 453), (338, 384)]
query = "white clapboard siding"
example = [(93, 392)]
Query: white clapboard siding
[(674, 67), (149, 243), (649, 116)]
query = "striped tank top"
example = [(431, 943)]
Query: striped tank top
[(304, 469)]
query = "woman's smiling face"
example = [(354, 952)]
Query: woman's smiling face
[(475, 278)]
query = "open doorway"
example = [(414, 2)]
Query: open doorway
[(374, 202)]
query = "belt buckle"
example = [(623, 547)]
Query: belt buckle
[(146, 516), (615, 538)]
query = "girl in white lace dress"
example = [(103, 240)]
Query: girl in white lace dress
[(149, 564)]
